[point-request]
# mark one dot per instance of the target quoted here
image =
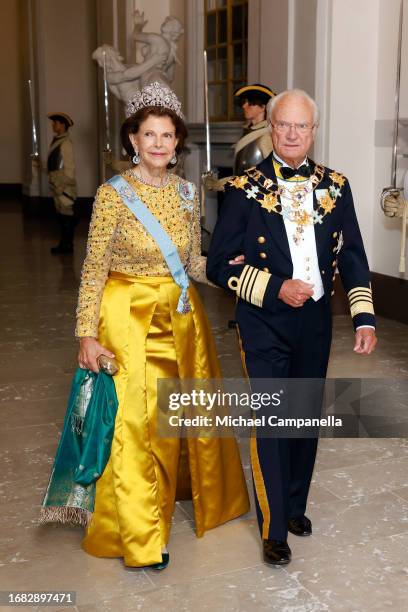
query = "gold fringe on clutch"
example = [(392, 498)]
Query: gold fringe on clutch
[(65, 514)]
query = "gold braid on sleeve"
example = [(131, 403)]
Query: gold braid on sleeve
[(360, 300), (251, 285)]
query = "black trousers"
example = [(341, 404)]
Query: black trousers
[(67, 224), (290, 343)]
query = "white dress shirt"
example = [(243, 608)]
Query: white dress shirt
[(304, 253)]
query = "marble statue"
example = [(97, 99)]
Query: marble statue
[(158, 54), (163, 46)]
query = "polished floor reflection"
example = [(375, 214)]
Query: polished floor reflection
[(357, 556)]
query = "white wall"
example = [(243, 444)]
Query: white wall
[(344, 53), (304, 45), (67, 80), (353, 102), (387, 232), (360, 105), (49, 41), (11, 152), (268, 43)]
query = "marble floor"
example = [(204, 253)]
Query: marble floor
[(357, 558)]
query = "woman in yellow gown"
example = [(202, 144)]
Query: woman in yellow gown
[(127, 308)]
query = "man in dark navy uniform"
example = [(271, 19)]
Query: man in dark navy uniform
[(295, 223)]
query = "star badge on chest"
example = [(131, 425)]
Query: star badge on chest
[(270, 202), (325, 200)]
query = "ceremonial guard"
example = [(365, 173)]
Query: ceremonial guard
[(255, 143), (62, 182), (295, 223)]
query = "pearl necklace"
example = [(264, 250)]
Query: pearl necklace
[(149, 184)]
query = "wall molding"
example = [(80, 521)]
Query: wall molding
[(390, 297), (10, 190), (194, 32), (44, 206), (291, 44), (323, 76), (254, 41)]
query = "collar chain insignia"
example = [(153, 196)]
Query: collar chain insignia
[(266, 192)]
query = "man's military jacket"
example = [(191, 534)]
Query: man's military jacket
[(61, 167), (251, 223)]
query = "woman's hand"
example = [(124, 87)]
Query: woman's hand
[(239, 259), (89, 351)]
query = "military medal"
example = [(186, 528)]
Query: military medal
[(267, 192), (270, 202), (327, 203)]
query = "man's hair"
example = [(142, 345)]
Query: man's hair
[(299, 93)]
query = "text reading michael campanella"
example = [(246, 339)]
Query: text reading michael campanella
[(262, 421)]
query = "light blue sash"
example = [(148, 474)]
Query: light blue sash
[(163, 240)]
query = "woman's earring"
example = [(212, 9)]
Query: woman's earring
[(136, 158), (173, 160)]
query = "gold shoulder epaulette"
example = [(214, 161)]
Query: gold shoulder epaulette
[(338, 178), (239, 181)]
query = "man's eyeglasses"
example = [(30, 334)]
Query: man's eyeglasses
[(285, 126)]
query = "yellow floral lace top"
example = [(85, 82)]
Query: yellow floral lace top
[(117, 241)]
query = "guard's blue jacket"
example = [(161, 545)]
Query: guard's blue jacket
[(250, 223)]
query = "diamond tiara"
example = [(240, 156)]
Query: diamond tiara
[(154, 94)]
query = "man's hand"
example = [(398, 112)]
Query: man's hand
[(239, 259), (295, 292), (365, 341)]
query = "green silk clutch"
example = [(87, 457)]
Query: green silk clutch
[(83, 450)]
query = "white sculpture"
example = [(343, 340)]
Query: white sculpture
[(159, 56), (394, 203), (163, 46)]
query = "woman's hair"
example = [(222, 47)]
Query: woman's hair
[(133, 123)]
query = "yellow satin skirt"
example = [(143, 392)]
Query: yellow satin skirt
[(145, 474)]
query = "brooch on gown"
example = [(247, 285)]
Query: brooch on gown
[(187, 192)]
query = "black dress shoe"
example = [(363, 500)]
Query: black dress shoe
[(301, 526), (164, 563), (276, 552)]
